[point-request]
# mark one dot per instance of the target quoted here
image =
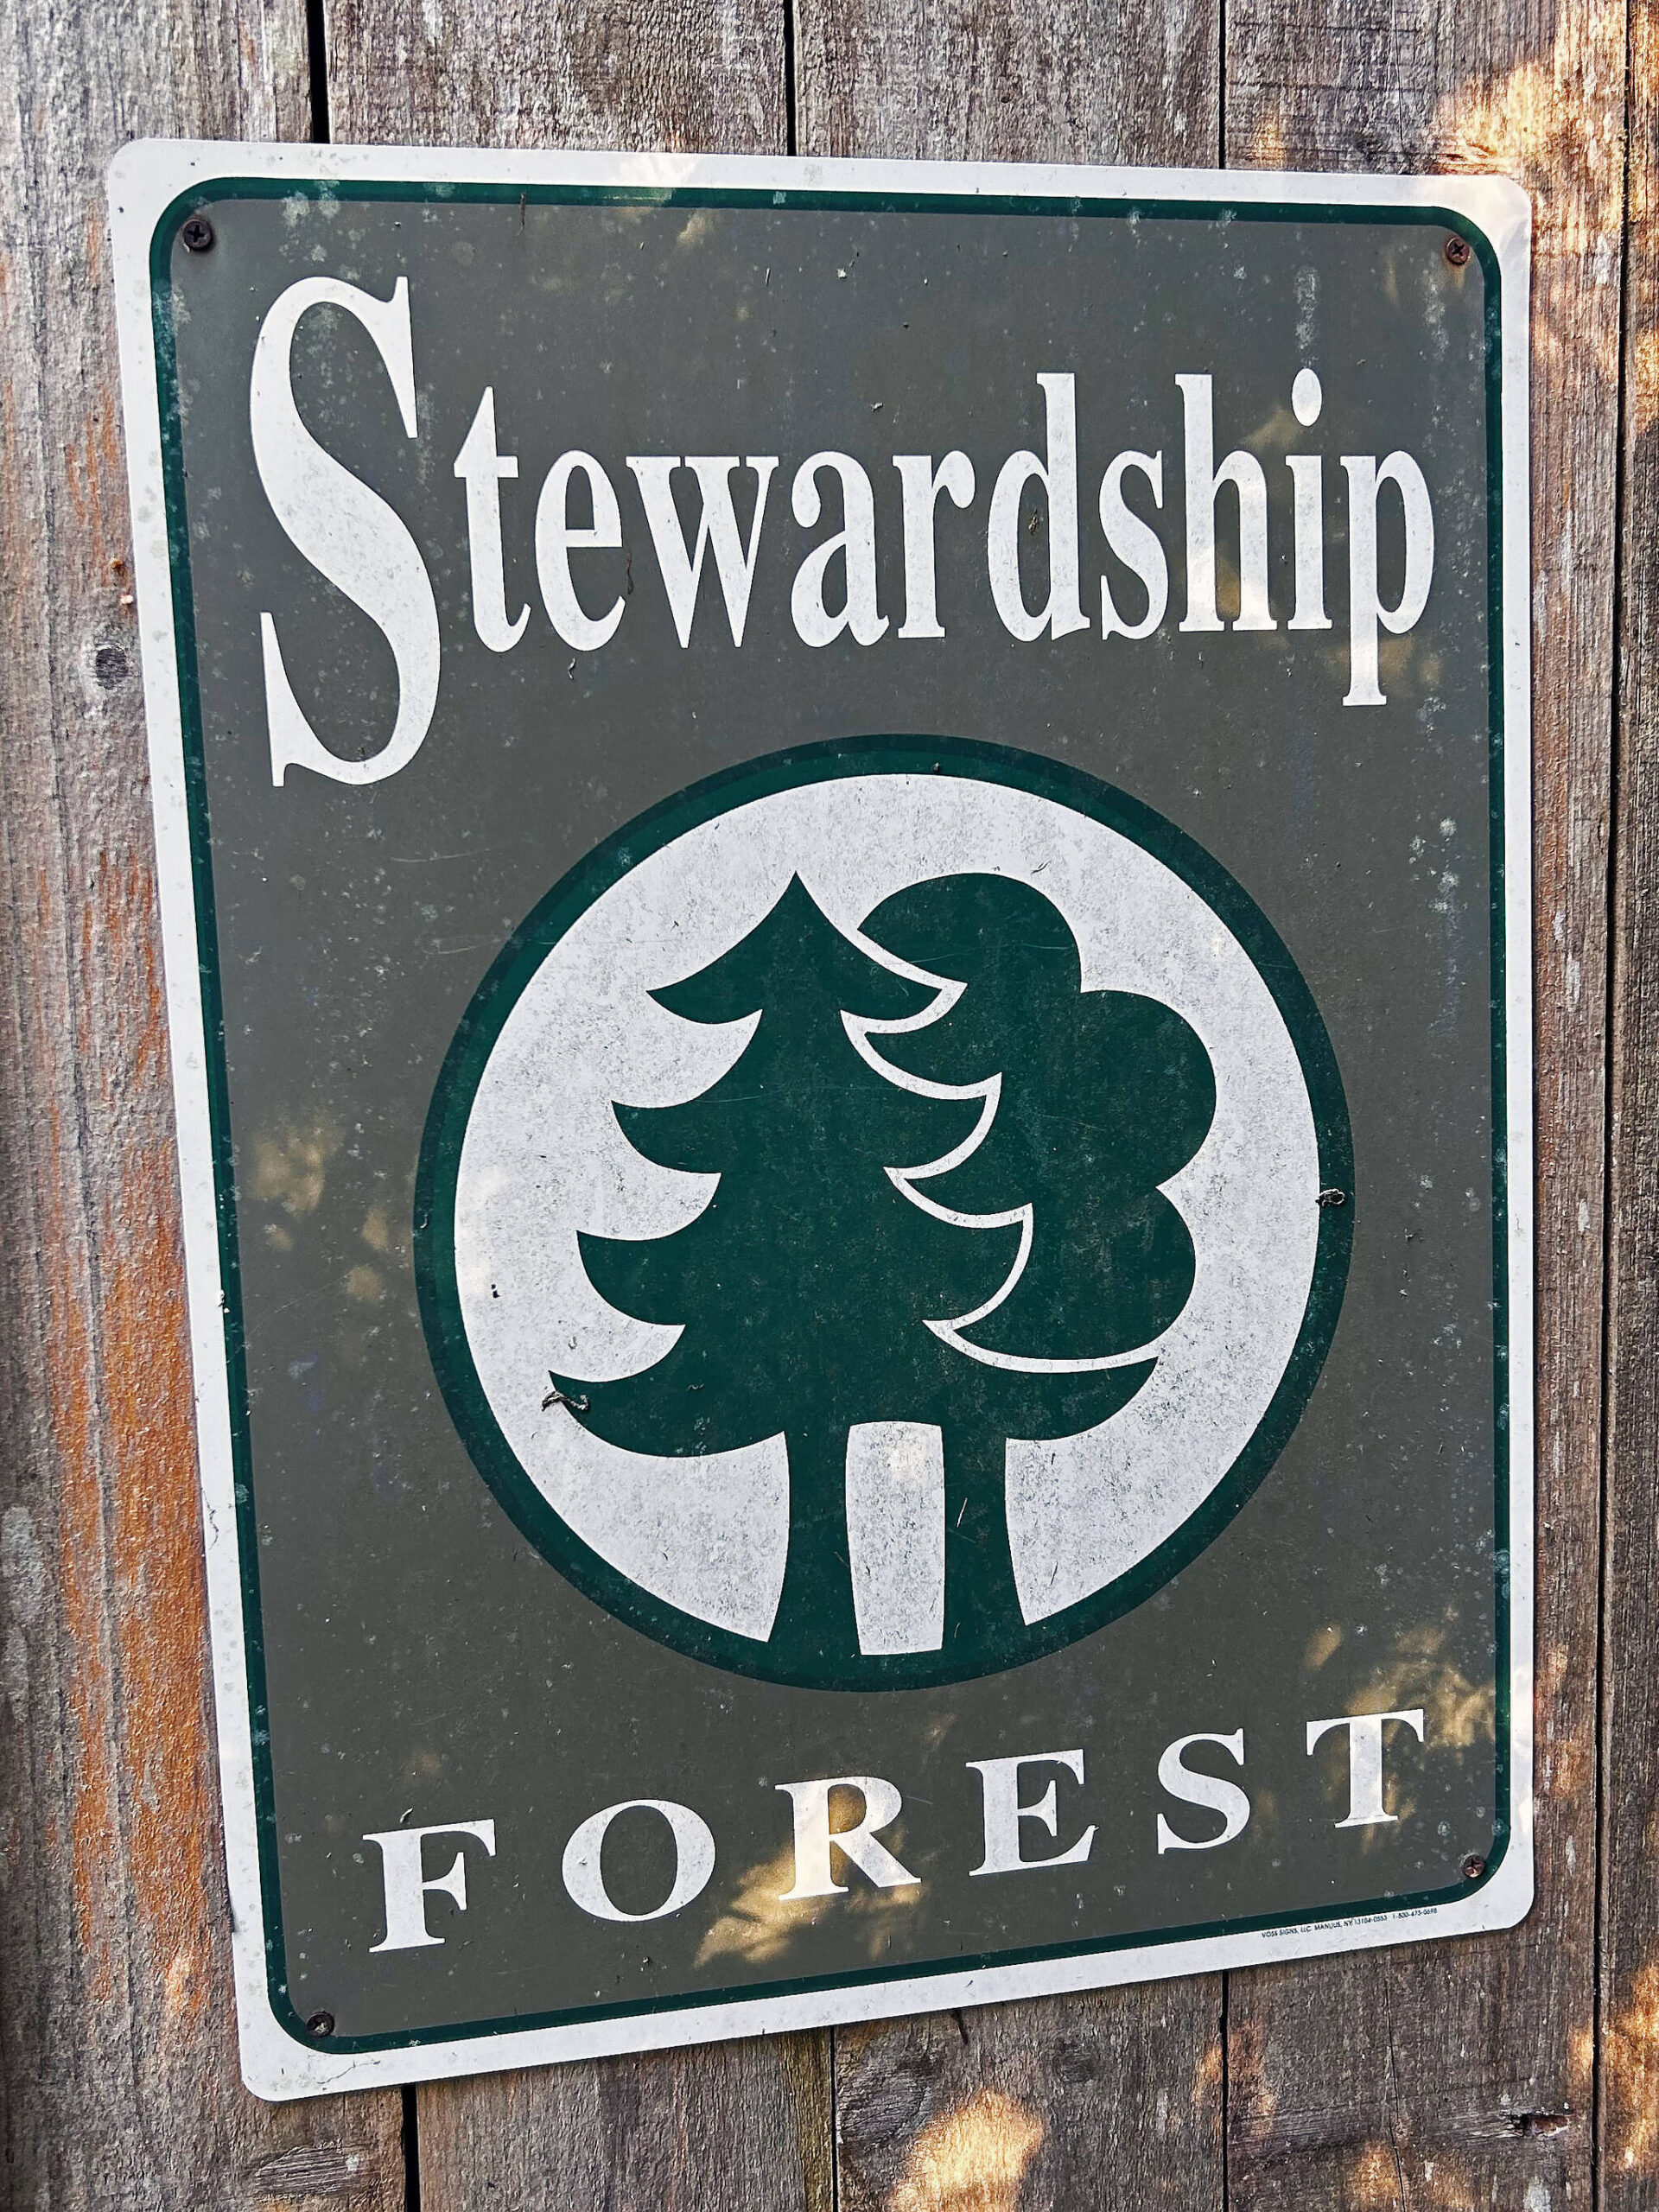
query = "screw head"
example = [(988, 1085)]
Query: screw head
[(1457, 250), (320, 2023), (196, 233), (1473, 1867)]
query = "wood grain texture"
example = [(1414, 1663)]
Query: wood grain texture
[(1079, 80), (709, 2130), (1066, 2104), (1464, 2076), (1629, 2053), (740, 2126), (1027, 2105), (118, 2082), (701, 76)]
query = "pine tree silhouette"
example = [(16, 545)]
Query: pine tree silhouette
[(806, 1285), (1104, 1096)]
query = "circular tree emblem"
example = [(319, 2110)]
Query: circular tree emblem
[(878, 1218)]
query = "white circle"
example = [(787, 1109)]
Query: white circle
[(694, 1858), (1306, 398), (544, 1158)]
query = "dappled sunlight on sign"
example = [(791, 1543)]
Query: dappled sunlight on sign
[(1417, 1673), (290, 1165), (762, 1920), (1459, 1712)]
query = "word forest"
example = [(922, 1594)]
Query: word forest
[(837, 1822)]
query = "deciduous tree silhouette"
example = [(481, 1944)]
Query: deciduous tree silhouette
[(1104, 1096)]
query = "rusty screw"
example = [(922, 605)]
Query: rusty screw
[(320, 2023), (197, 233), (1457, 250), (1473, 1867)]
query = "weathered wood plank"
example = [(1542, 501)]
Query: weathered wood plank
[(703, 76), (1629, 2055), (119, 2081), (684, 2131), (1463, 2076), (1085, 81), (1068, 2104), (746, 2124), (1029, 2104)]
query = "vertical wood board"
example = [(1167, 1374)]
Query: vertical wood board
[(690, 76), (118, 2063), (1408, 2078), (1629, 1996)]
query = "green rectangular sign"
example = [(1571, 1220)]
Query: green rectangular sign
[(844, 862)]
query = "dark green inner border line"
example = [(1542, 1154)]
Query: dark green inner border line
[(204, 194)]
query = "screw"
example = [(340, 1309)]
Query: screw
[(320, 2023), (197, 233), (1457, 250), (1473, 1867)]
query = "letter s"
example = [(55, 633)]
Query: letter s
[(1209, 1790), (347, 532)]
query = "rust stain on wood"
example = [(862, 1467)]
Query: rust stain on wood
[(159, 1615), (69, 1373), (161, 1620)]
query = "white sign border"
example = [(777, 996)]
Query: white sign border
[(146, 178)]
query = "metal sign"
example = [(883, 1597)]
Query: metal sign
[(844, 855)]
